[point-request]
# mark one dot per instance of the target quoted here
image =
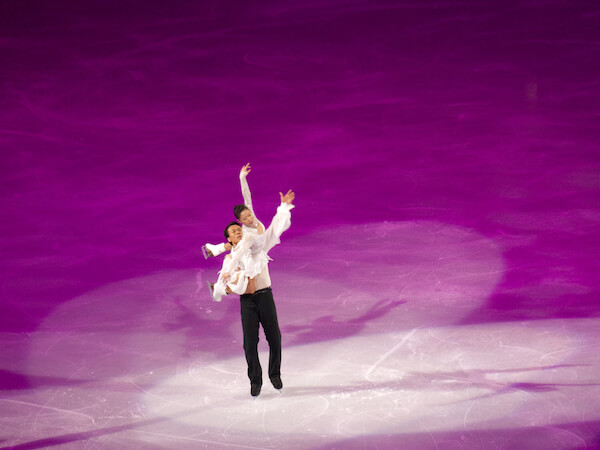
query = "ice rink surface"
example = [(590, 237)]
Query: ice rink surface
[(439, 287)]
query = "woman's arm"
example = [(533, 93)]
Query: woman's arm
[(281, 222), (245, 188)]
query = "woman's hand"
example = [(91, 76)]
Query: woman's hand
[(245, 170), (287, 198)]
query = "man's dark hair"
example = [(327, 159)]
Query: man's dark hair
[(226, 232), (238, 209)]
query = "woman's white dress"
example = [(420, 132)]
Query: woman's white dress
[(249, 257)]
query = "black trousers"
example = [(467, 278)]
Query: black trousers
[(259, 308)]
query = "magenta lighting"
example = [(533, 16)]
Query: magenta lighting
[(414, 260)]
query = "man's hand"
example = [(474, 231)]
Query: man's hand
[(287, 198), (226, 277), (245, 170)]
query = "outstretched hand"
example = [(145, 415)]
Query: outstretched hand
[(246, 169), (287, 198)]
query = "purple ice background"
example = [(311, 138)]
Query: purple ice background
[(446, 161)]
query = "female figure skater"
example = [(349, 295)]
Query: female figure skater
[(249, 256)]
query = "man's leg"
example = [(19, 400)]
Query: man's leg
[(250, 321), (268, 318)]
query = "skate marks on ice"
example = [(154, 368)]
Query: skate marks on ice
[(493, 376), (370, 348)]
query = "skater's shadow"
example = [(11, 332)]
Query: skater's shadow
[(329, 328), (201, 323)]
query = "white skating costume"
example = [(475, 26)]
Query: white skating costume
[(250, 256)]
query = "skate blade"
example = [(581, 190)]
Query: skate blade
[(211, 289)]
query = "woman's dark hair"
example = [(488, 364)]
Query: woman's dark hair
[(226, 232), (238, 209)]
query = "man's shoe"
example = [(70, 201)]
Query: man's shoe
[(255, 389), (276, 381)]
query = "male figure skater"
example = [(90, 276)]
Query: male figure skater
[(257, 304)]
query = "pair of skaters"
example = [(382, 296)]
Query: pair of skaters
[(242, 266), (245, 272)]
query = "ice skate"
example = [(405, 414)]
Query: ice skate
[(211, 289), (210, 250), (277, 384)]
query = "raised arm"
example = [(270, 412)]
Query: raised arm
[(281, 222), (245, 188)]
